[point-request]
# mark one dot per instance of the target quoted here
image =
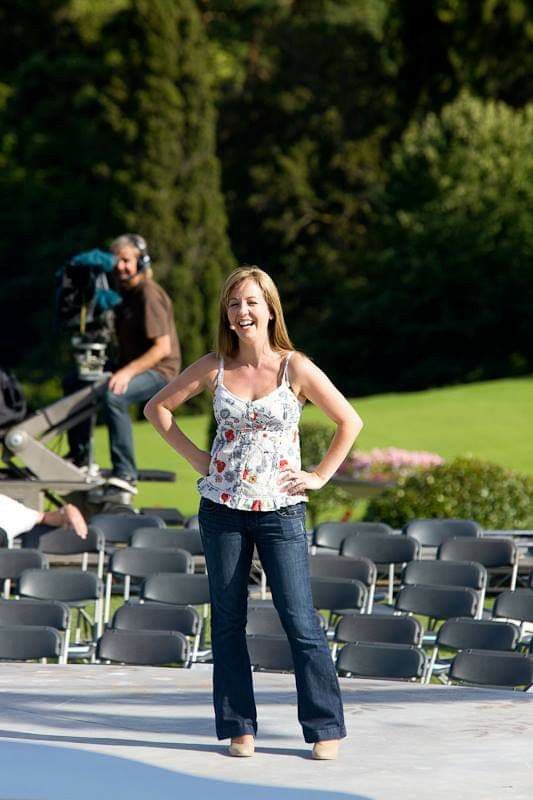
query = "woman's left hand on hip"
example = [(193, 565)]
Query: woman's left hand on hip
[(293, 481)]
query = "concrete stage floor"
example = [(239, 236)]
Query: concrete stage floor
[(80, 732)]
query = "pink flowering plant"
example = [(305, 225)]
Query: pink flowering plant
[(387, 464)]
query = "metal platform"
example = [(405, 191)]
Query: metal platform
[(136, 733)]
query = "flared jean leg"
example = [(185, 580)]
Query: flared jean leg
[(228, 553), (282, 546)]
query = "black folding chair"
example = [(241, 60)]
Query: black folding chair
[(183, 538), (137, 562), (64, 542), (29, 643), (73, 587), (150, 648), (263, 620), (4, 540), (38, 613), (516, 607), (119, 528), (180, 590), (437, 602), (386, 661), (493, 669), (433, 532), (338, 596), (385, 550), (377, 629), (501, 554), (272, 653), (170, 516), (459, 633), (360, 569), (158, 617), (448, 573), (329, 536), (14, 562)]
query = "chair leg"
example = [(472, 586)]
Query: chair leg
[(107, 610)]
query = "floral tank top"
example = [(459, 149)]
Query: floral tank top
[(255, 440)]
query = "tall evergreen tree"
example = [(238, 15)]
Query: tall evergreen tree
[(103, 131), (161, 110)]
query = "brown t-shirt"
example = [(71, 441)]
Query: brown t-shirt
[(145, 313)]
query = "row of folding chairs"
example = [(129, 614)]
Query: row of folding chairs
[(390, 552), (329, 536), (74, 590), (408, 662)]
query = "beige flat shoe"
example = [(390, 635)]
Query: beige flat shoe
[(242, 750), (328, 750)]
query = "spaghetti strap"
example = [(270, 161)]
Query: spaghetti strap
[(285, 376), (220, 373)]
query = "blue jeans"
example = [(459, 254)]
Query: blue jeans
[(116, 408), (229, 537)]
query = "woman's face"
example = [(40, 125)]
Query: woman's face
[(248, 311)]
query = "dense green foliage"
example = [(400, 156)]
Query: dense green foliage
[(453, 272), (466, 488), (107, 133), (373, 156)]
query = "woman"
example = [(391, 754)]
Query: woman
[(253, 492)]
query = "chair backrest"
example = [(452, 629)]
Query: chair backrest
[(270, 652), (460, 634), (50, 613), (67, 585), (381, 548), (170, 516), (181, 590), (263, 621), (151, 648), (139, 562), (394, 661), (14, 562), (379, 628), (184, 538), (192, 522), (332, 534), (156, 617), (63, 541), (4, 539), (514, 605), (118, 528), (25, 642), (438, 602), (489, 552), (331, 566), (433, 532), (492, 668), (445, 573), (338, 593)]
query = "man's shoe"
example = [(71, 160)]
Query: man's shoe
[(328, 750), (123, 484), (242, 749)]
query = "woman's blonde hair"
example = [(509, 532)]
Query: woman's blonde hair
[(227, 340)]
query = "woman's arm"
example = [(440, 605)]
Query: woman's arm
[(158, 410), (314, 385)]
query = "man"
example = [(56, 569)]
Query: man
[(149, 351), (16, 518)]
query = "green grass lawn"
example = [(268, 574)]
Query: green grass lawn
[(492, 420)]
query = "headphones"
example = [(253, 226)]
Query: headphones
[(143, 259)]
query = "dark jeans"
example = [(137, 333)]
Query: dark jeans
[(116, 410), (229, 537)]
